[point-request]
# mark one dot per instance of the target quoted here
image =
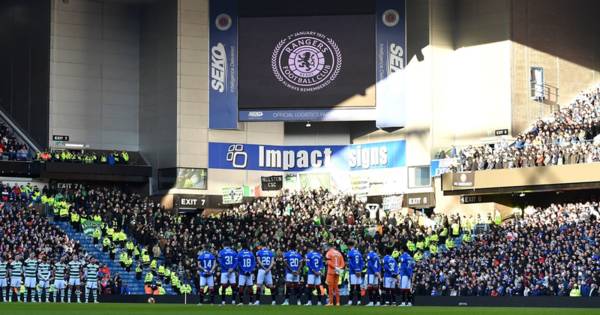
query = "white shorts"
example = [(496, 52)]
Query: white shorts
[(354, 280), (74, 281), (313, 279), (30, 282), (207, 281), (91, 285), (59, 284), (405, 282), (389, 283), (15, 282), (246, 280), (372, 280), (290, 277), (44, 284), (264, 277), (228, 278), (3, 283)]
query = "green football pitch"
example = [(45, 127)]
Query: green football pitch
[(164, 309)]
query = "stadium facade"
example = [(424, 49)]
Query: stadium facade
[(206, 104), (135, 75)]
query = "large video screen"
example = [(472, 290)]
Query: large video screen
[(306, 62)]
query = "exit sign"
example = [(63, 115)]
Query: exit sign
[(60, 138), (501, 132)]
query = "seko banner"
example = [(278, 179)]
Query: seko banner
[(223, 68), (390, 38)]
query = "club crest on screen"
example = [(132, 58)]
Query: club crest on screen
[(306, 61)]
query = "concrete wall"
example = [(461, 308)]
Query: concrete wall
[(480, 72), (560, 36), (94, 73), (332, 133), (158, 84), (442, 16), (192, 84)]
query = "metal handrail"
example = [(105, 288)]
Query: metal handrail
[(548, 90)]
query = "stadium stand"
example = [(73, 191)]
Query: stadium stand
[(546, 251), (10, 147), (444, 248), (567, 137), (284, 153), (451, 259), (122, 229), (138, 241), (86, 157), (27, 233)]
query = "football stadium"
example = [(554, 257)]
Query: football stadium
[(292, 157)]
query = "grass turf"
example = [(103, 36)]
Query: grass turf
[(165, 309)]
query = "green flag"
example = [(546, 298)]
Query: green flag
[(89, 226)]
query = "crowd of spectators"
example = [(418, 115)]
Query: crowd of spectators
[(133, 229), (25, 230), (567, 137), (10, 147), (305, 219), (138, 216), (85, 157), (13, 150), (309, 218), (548, 251), (545, 251)]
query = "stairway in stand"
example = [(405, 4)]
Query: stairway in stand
[(86, 241)]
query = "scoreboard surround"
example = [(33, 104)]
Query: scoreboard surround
[(294, 64)]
